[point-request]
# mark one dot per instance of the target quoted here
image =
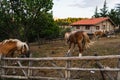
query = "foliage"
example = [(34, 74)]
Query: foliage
[(104, 10), (66, 21), (96, 14), (26, 19), (114, 14), (118, 15), (63, 31)]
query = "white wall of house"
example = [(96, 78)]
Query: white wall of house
[(84, 28), (103, 26), (106, 26)]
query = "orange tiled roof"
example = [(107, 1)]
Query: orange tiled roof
[(91, 21)]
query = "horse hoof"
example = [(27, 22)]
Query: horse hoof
[(92, 72), (80, 55)]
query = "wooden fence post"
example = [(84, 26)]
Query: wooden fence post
[(103, 72), (29, 70), (68, 65), (100, 66), (0, 65), (2, 69), (118, 74), (67, 72)]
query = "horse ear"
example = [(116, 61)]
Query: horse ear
[(27, 43)]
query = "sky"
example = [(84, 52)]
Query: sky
[(79, 8)]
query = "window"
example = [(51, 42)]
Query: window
[(97, 27), (103, 26), (87, 27), (78, 27)]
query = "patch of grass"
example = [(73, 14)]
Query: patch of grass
[(103, 46)]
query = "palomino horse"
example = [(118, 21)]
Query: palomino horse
[(81, 39), (10, 46)]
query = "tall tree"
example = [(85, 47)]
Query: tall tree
[(104, 10), (118, 15), (96, 14), (113, 15), (8, 23), (24, 18)]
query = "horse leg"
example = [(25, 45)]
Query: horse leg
[(69, 51), (0, 56), (94, 37), (73, 48), (65, 42), (80, 49)]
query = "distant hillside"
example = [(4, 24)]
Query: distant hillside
[(67, 21)]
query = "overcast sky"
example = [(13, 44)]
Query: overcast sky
[(79, 8)]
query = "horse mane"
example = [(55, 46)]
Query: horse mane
[(70, 34), (19, 43), (10, 40), (25, 46)]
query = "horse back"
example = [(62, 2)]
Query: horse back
[(84, 38), (7, 47)]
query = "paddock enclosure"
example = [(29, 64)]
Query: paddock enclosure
[(64, 71), (48, 62)]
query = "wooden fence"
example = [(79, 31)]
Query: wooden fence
[(65, 71)]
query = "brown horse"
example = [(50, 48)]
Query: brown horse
[(98, 34), (81, 39), (10, 46), (66, 36)]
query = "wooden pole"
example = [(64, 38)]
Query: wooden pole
[(102, 72), (118, 74), (59, 71), (29, 70), (22, 69), (2, 64), (100, 66), (67, 72)]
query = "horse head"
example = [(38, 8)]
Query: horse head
[(25, 51)]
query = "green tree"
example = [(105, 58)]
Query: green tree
[(118, 15), (8, 22), (25, 19), (104, 10), (113, 15), (96, 14)]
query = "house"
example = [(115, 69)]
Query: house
[(94, 24)]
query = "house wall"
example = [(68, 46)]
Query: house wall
[(103, 26), (106, 26), (83, 28)]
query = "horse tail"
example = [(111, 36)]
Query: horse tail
[(86, 40)]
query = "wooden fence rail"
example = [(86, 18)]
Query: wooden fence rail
[(67, 68), (65, 58)]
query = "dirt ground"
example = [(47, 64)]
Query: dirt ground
[(102, 46)]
